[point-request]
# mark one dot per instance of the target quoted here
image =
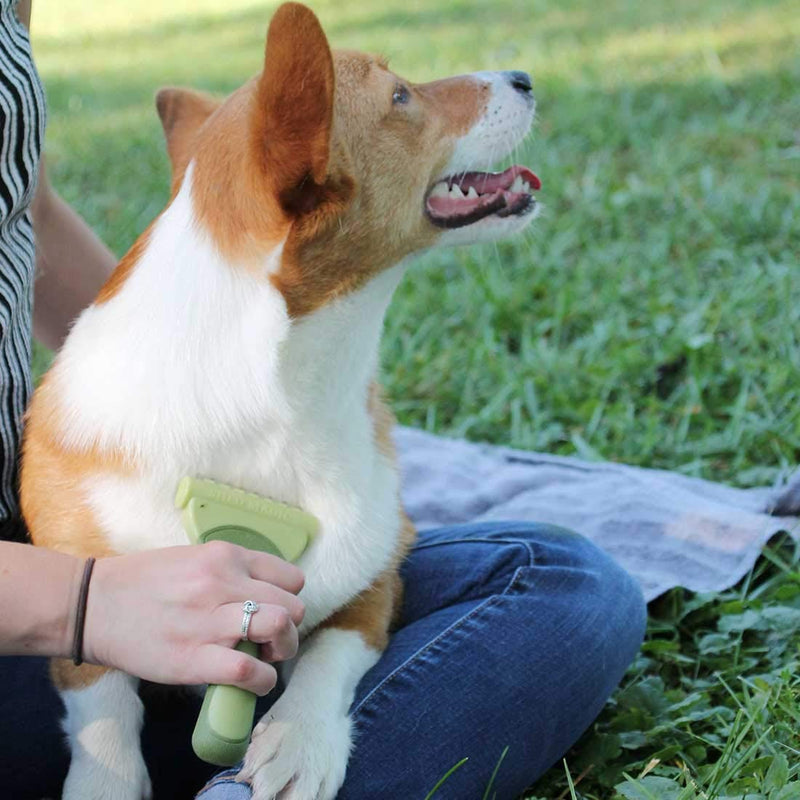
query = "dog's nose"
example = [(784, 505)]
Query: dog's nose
[(520, 81)]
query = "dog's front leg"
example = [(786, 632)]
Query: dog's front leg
[(300, 748), (103, 724)]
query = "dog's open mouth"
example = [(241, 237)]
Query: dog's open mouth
[(463, 199)]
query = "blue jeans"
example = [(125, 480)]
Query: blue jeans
[(512, 635)]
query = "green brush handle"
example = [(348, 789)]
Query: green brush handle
[(222, 731), (213, 511)]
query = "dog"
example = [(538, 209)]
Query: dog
[(237, 341)]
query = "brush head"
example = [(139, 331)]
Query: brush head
[(214, 511)]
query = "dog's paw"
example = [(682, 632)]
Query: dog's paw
[(787, 500), (296, 754), (90, 779)]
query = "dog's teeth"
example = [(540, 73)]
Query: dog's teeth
[(472, 193), (455, 191), (440, 190), (517, 185), (526, 187)]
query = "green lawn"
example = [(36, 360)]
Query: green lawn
[(651, 317)]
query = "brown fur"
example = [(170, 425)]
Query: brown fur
[(182, 113), (51, 484), (120, 274), (314, 153), (56, 516), (376, 610), (369, 613), (394, 153), (60, 519), (383, 420), (294, 103), (66, 675)]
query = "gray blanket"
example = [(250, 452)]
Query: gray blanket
[(665, 529)]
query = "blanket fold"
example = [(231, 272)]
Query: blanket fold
[(666, 529)]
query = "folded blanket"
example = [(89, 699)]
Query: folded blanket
[(665, 529)]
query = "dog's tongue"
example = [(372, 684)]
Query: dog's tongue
[(473, 192)]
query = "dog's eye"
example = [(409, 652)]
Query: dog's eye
[(401, 95)]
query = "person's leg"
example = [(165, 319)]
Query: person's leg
[(513, 635), (33, 752), (169, 717)]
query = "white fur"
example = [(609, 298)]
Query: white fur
[(304, 741), (183, 358), (103, 725), (490, 228), (502, 126)]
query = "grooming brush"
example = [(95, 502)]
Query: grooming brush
[(216, 512)]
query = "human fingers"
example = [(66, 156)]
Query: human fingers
[(271, 569), (271, 626), (279, 645), (223, 665), (237, 590), (263, 592)]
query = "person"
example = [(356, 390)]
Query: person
[(512, 635)]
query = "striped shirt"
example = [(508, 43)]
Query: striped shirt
[(22, 121)]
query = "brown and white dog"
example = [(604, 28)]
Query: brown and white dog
[(237, 341)]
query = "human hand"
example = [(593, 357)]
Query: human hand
[(173, 615)]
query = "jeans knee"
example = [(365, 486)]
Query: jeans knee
[(614, 609), (597, 599), (604, 602), (622, 603)]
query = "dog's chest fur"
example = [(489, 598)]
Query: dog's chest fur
[(194, 368)]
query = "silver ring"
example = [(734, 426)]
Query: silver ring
[(249, 607)]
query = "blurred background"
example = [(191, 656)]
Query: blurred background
[(651, 316)]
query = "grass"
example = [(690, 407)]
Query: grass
[(711, 708), (652, 317)]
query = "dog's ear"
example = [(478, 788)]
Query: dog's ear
[(182, 113), (294, 109)]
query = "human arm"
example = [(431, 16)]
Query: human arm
[(169, 615), (24, 12), (71, 261), (71, 264)]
